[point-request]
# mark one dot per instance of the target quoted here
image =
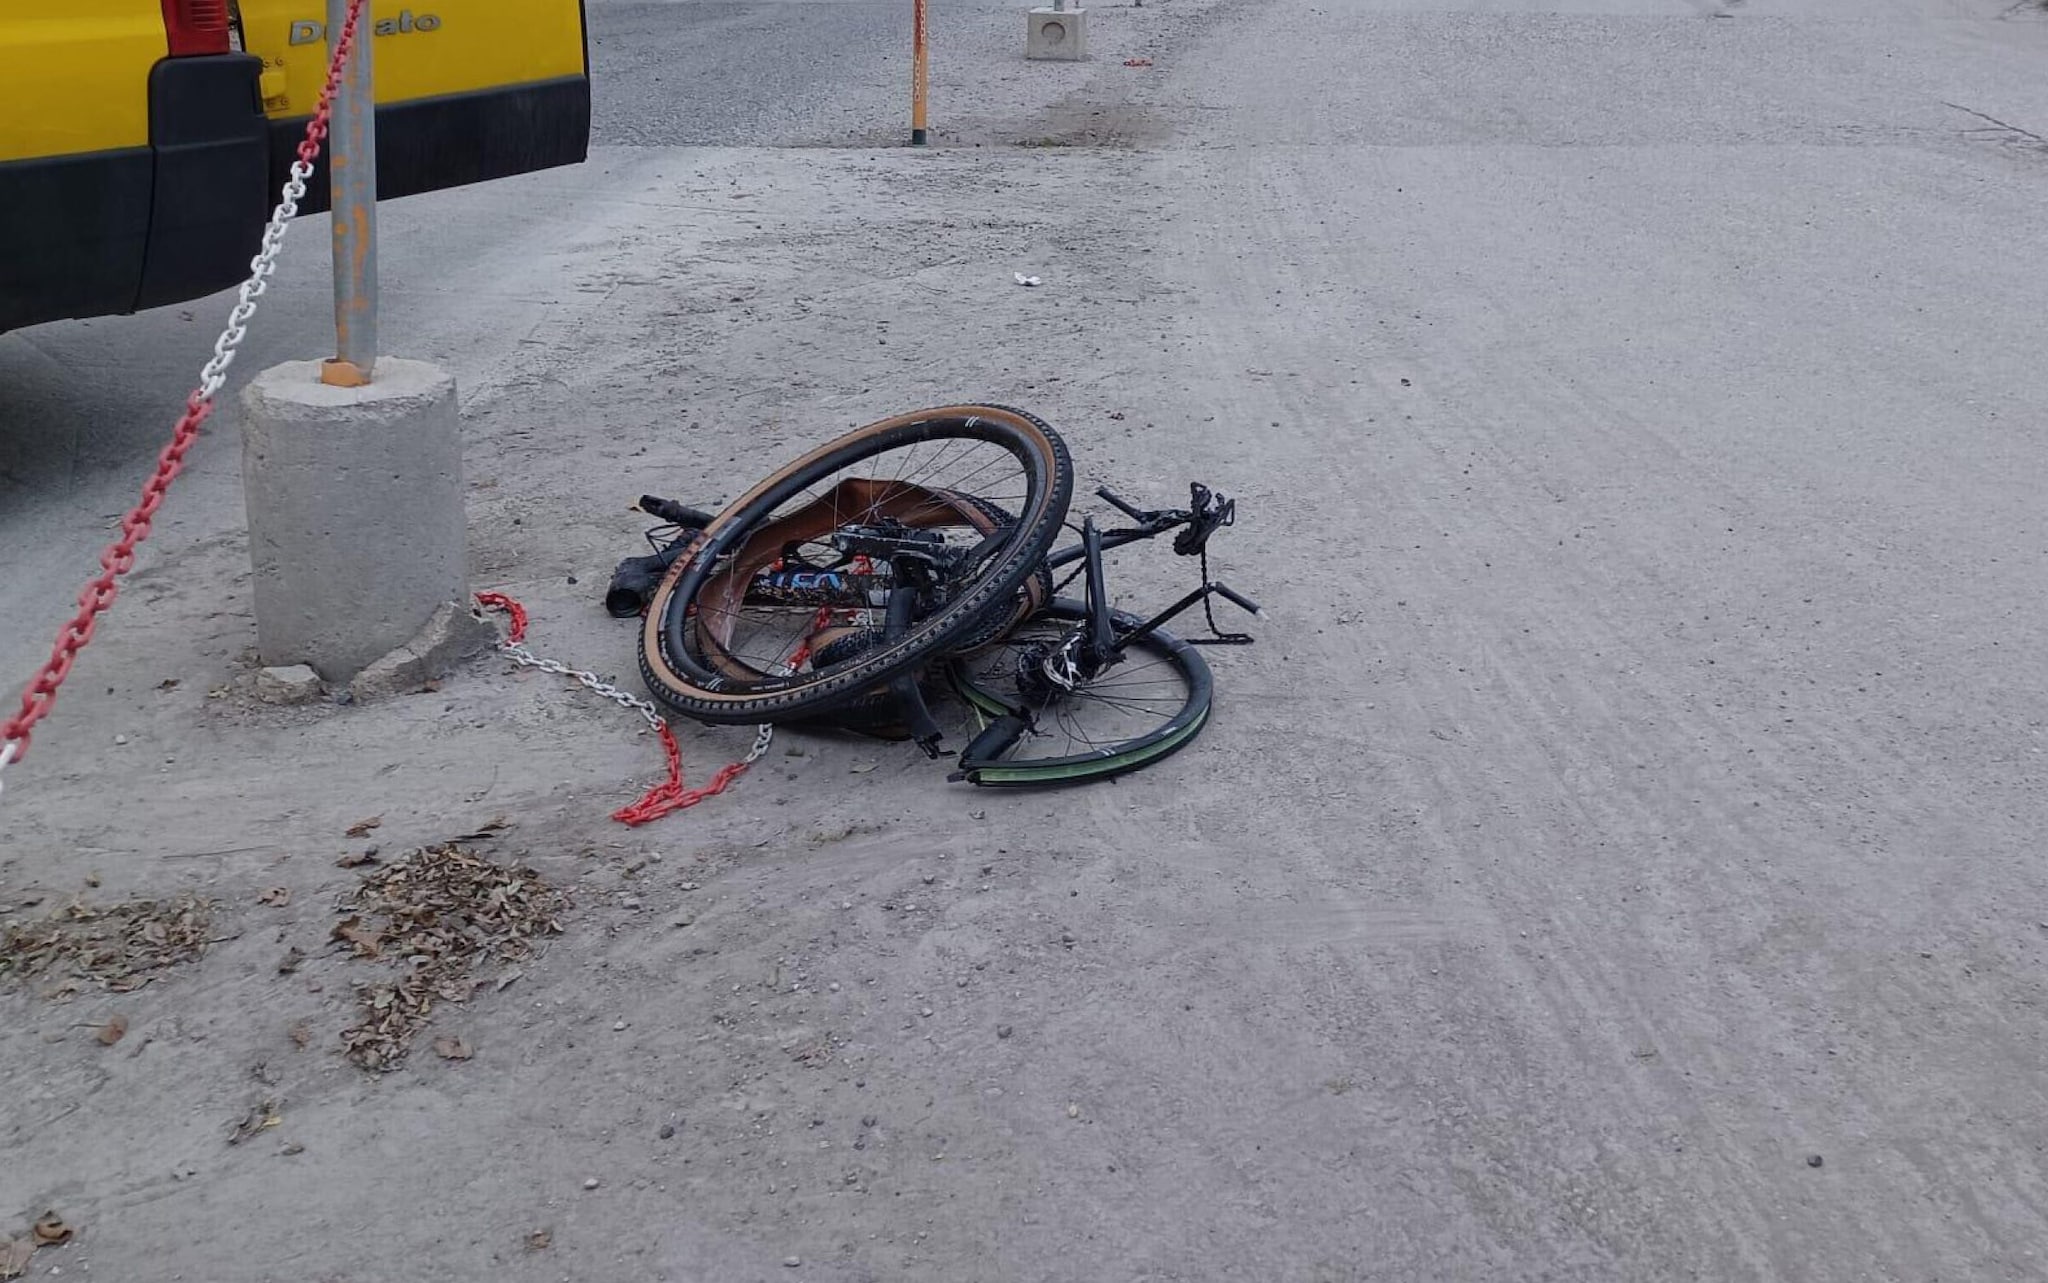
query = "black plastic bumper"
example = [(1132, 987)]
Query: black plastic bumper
[(110, 232), (430, 143), (73, 232)]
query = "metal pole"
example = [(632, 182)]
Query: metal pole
[(352, 173), (918, 71)]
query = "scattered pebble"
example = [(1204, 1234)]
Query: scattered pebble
[(834, 986), (667, 1132), (846, 904), (930, 878), (926, 1011), (961, 983), (792, 1261), (1003, 1031), (1073, 1111), (689, 886), (618, 1026), (1067, 938), (1814, 1160), (867, 1120), (292, 1149), (120, 739), (629, 901), (590, 1183)]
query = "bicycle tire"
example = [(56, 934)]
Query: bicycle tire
[(1174, 734), (684, 683)]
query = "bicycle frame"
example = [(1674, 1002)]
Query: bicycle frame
[(1102, 643)]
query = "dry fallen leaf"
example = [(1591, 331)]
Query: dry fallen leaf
[(276, 897), (489, 829), (538, 1240), (51, 1230), (366, 940), (168, 683), (452, 1049), (356, 859), (261, 1118), (361, 828), (15, 1254), (113, 1031)]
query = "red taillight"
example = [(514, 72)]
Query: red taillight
[(196, 26)]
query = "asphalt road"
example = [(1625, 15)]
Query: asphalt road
[(1619, 860)]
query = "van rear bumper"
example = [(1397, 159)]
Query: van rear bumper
[(73, 233), (430, 143), (109, 232)]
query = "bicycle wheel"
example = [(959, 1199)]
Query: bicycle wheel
[(1033, 730), (977, 491)]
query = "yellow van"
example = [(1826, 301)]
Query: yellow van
[(143, 142)]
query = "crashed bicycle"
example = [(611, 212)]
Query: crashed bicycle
[(901, 581)]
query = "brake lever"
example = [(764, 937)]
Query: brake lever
[(1150, 521)]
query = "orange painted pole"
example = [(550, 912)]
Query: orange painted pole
[(919, 72)]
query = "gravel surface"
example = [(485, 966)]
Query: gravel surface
[(1618, 860)]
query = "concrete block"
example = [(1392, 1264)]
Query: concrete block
[(292, 684), (356, 522), (1058, 34), (453, 635)]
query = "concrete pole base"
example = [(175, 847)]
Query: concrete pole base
[(1056, 34), (356, 520)]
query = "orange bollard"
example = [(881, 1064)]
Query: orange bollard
[(919, 70)]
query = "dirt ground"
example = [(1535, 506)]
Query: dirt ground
[(1619, 859)]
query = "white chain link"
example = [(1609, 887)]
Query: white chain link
[(518, 654), (764, 734), (8, 751), (215, 373)]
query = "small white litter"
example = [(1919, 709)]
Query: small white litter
[(1028, 280)]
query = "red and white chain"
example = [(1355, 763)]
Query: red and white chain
[(670, 794), (119, 556)]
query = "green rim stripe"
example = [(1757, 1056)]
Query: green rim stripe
[(974, 694), (1093, 766)]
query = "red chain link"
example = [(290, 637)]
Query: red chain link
[(670, 795), (119, 556), (665, 797), (516, 631)]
